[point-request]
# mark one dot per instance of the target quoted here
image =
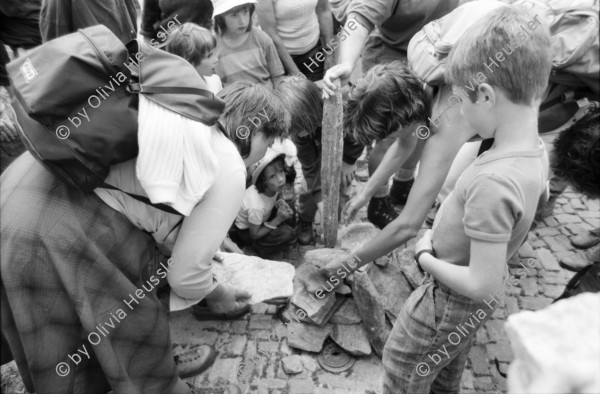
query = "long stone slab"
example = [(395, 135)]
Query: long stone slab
[(264, 279)]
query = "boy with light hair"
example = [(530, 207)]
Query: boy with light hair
[(487, 216)]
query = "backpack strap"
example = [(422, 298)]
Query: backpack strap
[(145, 200), (137, 88)]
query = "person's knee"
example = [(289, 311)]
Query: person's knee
[(287, 233)]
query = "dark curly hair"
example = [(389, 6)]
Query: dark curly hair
[(576, 157), (388, 97)]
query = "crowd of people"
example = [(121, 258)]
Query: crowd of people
[(70, 258)]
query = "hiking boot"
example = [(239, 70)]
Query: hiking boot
[(578, 262), (380, 211), (192, 360), (587, 239), (399, 191), (305, 233)]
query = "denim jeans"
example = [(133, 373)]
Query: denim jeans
[(430, 342)]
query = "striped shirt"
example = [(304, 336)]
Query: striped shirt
[(255, 60)]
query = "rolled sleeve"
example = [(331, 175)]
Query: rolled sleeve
[(493, 206), (375, 11)]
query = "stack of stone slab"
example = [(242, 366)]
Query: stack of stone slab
[(358, 317)]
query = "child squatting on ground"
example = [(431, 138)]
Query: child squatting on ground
[(197, 45), (256, 224), (245, 54), (486, 218)]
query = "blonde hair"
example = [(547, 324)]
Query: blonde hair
[(496, 50)]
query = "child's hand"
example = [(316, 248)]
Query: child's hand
[(424, 243), (284, 212), (282, 216)]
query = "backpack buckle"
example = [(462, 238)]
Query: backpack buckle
[(134, 88)]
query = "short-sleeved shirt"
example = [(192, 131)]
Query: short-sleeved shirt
[(494, 200), (399, 20), (297, 24), (256, 208), (255, 60)]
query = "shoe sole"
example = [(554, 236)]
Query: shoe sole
[(569, 268), (209, 362)]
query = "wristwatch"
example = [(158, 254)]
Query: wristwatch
[(418, 255)]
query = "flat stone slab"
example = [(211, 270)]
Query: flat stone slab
[(347, 314), (292, 364), (307, 337), (320, 305), (352, 338), (557, 349), (371, 311), (264, 279)]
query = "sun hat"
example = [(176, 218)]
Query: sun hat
[(260, 166), (222, 6)]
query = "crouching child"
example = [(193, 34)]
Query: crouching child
[(257, 224)]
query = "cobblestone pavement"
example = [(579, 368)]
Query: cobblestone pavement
[(250, 350)]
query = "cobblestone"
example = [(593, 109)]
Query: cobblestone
[(547, 260), (566, 219), (250, 350), (559, 243)]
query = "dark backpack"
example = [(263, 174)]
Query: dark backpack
[(77, 101), (586, 280)]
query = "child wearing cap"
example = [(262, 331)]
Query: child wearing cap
[(256, 225), (245, 54)]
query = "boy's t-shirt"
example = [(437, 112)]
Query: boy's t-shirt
[(494, 200), (256, 208), (255, 60)]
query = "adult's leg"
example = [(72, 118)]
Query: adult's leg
[(276, 241), (309, 155), (380, 210), (84, 320), (556, 185)]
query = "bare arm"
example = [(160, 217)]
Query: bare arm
[(438, 154), (481, 280), (351, 47), (266, 18), (398, 153), (325, 21)]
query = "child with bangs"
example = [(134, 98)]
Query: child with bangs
[(257, 225), (245, 54), (197, 45)]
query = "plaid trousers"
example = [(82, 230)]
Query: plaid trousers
[(68, 264)]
